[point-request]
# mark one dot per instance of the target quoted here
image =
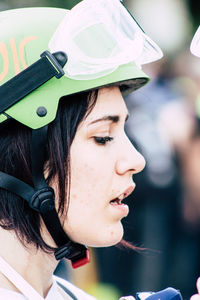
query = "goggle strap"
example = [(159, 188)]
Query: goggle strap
[(15, 89)]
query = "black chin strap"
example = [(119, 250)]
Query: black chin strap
[(41, 199)]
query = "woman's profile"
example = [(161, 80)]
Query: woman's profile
[(66, 164)]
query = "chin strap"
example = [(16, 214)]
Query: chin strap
[(41, 199)]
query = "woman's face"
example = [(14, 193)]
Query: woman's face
[(103, 161)]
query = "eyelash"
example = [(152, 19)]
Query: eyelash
[(103, 140)]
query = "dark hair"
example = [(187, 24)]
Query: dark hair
[(15, 214)]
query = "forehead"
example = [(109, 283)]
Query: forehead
[(109, 102)]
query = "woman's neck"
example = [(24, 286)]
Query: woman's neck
[(35, 266)]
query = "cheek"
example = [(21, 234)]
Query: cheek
[(91, 174), (82, 174), (84, 185), (85, 192)]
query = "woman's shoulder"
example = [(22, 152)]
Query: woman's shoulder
[(70, 288), (11, 295)]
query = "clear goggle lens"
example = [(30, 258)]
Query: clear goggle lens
[(195, 44), (100, 35)]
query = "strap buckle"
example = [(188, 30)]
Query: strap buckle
[(77, 253), (58, 60), (42, 200), (81, 261)]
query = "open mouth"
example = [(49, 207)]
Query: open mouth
[(116, 201), (117, 204)]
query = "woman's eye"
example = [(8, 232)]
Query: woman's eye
[(102, 140)]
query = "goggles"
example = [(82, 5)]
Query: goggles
[(195, 44), (100, 35)]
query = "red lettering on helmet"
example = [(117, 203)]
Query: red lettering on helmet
[(4, 54), (15, 57)]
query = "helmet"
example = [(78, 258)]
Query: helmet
[(21, 46), (32, 82)]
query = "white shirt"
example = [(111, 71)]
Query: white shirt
[(55, 292), (66, 291)]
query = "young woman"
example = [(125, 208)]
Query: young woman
[(66, 163)]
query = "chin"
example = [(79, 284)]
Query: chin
[(107, 238)]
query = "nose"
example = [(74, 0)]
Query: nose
[(129, 159)]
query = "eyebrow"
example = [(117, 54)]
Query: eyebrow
[(113, 119)]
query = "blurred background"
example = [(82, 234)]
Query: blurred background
[(164, 216)]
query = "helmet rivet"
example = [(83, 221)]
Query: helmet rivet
[(41, 111)]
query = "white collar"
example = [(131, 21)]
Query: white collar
[(19, 282)]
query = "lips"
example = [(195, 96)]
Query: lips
[(118, 200)]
